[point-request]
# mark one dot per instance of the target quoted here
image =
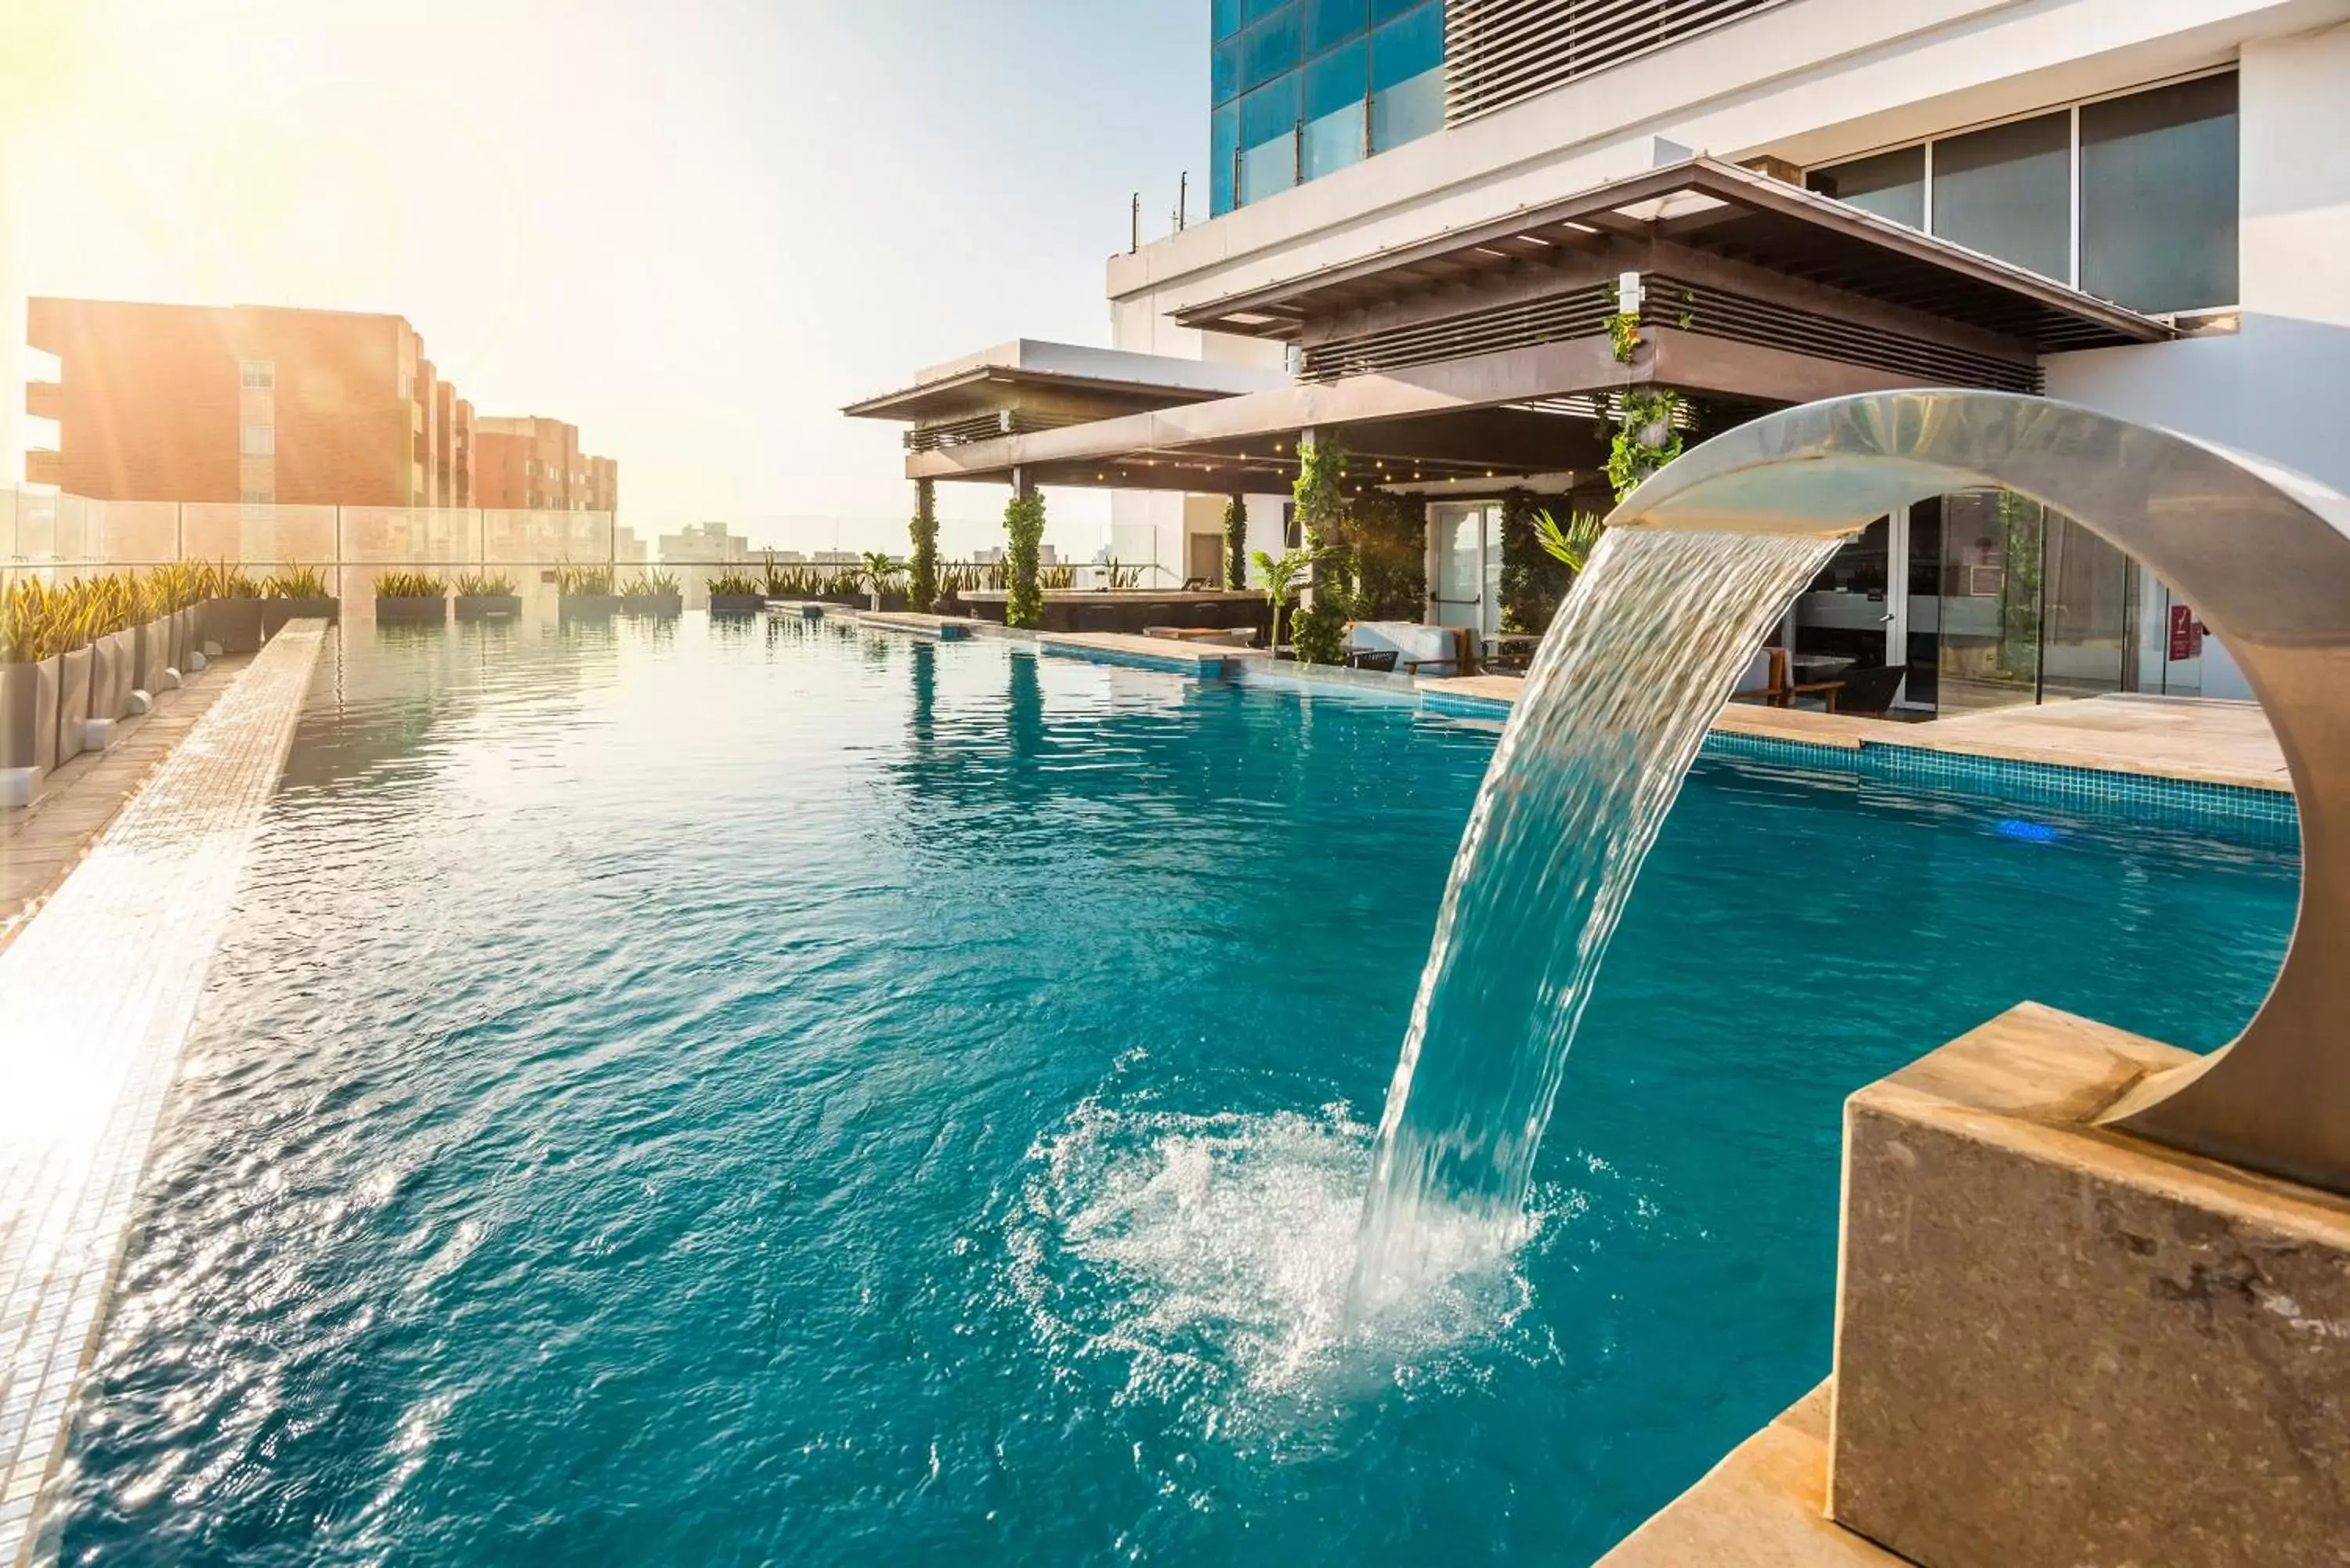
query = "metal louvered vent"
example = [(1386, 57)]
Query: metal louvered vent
[(987, 427), (1697, 308), (1718, 313), (1501, 52), (1580, 314)]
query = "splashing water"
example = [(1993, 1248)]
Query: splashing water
[(1641, 659)]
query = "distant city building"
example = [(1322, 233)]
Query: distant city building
[(627, 550), (536, 465), (170, 402), (705, 544), (262, 405)]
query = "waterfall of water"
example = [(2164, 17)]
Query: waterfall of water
[(1644, 652)]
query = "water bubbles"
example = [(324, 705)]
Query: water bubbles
[(1213, 1255)]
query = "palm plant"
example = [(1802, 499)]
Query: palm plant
[(876, 573), (1282, 578), (1573, 544)]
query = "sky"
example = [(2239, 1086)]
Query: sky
[(694, 228)]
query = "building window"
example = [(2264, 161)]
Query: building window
[(2159, 196), (264, 497), (1891, 185), (2008, 192), (259, 375), (1300, 89), (2132, 198), (260, 441)]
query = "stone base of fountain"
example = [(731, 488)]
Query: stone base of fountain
[(2056, 1345)]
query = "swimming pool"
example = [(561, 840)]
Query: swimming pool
[(777, 1093)]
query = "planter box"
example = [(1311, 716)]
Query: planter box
[(233, 624), (488, 606), (28, 715), (73, 701), (275, 613), (737, 603), (153, 655), (114, 675), (653, 603), (583, 607), (179, 636), (433, 611)]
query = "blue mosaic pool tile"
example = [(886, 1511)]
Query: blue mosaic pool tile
[(2266, 818), (1457, 705)]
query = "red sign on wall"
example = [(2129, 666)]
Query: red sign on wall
[(2186, 633)]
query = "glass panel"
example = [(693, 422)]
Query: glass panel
[(136, 532), (2158, 197), (1890, 184), (1255, 11), (1844, 614), (1330, 22), (1919, 689), (2008, 192), (1268, 168), (1385, 10), (1334, 141), (1226, 17), (1460, 564), (1990, 620), (1338, 80), (1271, 47), (1409, 48), (1224, 71), (2086, 640), (1270, 111), (1224, 143), (1408, 111)]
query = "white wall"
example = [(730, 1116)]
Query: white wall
[(2276, 389)]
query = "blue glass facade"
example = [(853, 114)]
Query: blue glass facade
[(1304, 87)]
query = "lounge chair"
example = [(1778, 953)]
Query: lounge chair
[(1865, 693)]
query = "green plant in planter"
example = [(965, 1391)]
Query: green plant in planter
[(922, 568), (736, 584), (1024, 524), (1647, 438), (655, 582), (1282, 575), (484, 586), (583, 582), (1236, 560), (35, 623), (410, 586), (1123, 576), (295, 582)]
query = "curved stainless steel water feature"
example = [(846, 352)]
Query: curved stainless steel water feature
[(2262, 554)]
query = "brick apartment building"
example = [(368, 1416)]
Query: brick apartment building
[(535, 464), (255, 404)]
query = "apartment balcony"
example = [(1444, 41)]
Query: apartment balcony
[(42, 466), (44, 400)]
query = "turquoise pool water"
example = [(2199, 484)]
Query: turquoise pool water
[(777, 1094)]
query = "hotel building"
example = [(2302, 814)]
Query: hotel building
[(2140, 205)]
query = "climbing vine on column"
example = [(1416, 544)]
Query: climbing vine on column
[(922, 567), (1236, 542), (1318, 631), (1024, 524)]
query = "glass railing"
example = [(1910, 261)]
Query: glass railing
[(1409, 110), (1268, 167), (1334, 141)]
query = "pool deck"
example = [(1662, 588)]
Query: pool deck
[(97, 996), (2199, 742), (45, 840), (1204, 662)]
